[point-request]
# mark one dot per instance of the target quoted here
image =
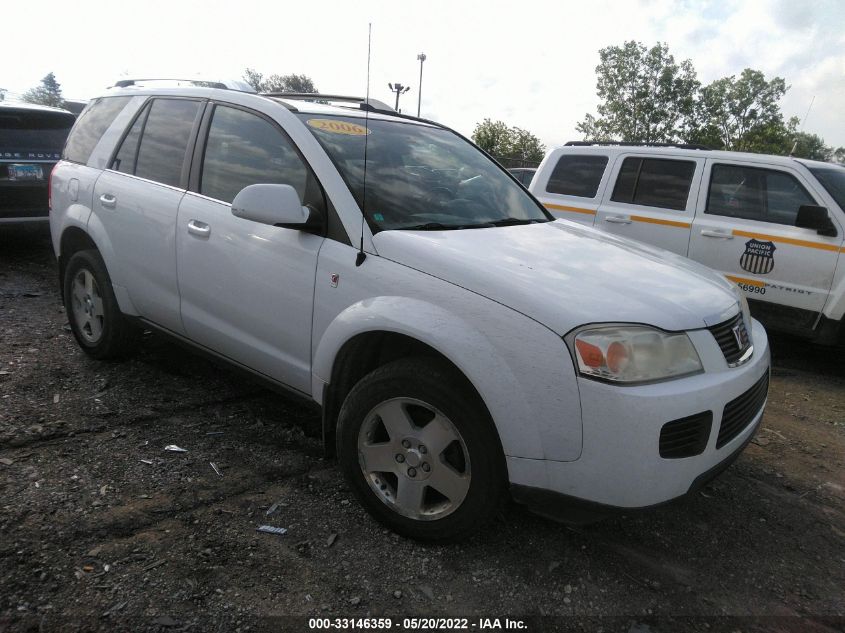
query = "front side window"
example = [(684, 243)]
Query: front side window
[(833, 180), (758, 194), (164, 140), (654, 182), (420, 176), (577, 175), (91, 125), (244, 149)]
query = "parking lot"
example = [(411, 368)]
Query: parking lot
[(103, 529)]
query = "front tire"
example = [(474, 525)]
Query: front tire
[(420, 452), (95, 318)]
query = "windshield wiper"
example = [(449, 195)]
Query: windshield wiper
[(438, 226), (512, 221)]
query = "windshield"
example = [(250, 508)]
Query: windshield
[(832, 179), (421, 177)]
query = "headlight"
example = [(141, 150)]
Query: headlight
[(633, 353)]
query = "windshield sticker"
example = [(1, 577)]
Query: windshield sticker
[(338, 127), (758, 257)]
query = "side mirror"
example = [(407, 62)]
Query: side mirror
[(276, 205), (811, 216)]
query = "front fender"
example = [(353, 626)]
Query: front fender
[(510, 361)]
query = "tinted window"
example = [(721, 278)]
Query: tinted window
[(654, 182), (420, 176), (577, 176), (31, 134), (165, 140), (127, 157), (92, 124), (832, 179), (244, 149), (755, 194)]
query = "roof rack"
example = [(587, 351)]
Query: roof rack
[(374, 105), (637, 144), (199, 81)]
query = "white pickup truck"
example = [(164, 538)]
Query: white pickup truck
[(774, 225), (459, 340)]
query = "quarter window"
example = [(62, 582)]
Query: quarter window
[(164, 140), (90, 126), (758, 194), (127, 157), (654, 182), (244, 149), (576, 175)]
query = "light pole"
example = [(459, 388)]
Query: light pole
[(399, 89), (420, 57)]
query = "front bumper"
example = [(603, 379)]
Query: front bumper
[(620, 464)]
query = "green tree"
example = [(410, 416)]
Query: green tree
[(279, 83), (505, 142), (742, 114), (49, 93), (645, 95)]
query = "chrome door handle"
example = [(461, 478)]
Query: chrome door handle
[(200, 229), (724, 236), (108, 201), (617, 219)]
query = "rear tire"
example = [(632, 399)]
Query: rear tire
[(420, 451), (95, 318)]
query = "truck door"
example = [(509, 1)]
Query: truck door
[(745, 229)]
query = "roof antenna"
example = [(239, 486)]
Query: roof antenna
[(359, 259), (801, 129)]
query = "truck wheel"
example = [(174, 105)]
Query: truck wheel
[(95, 319), (420, 452)]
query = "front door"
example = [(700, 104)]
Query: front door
[(745, 228), (247, 289)]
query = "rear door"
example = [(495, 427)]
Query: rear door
[(31, 141), (745, 228), (247, 289), (651, 199), (570, 190), (137, 200)]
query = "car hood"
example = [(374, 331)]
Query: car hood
[(564, 275)]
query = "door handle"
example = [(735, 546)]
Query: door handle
[(723, 235), (200, 229), (108, 201), (617, 219)]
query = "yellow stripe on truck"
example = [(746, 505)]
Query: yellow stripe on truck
[(642, 218), (748, 282), (561, 207), (788, 240)]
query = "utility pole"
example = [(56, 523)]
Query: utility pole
[(420, 57), (399, 89)]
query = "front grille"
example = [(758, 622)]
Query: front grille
[(685, 437), (725, 336), (739, 412)]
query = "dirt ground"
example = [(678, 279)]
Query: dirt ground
[(101, 529)]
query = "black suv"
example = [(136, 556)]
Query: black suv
[(31, 142)]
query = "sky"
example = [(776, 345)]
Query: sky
[(530, 63)]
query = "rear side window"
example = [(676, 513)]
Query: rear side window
[(654, 182), (244, 149), (765, 195), (92, 124), (164, 130), (577, 175)]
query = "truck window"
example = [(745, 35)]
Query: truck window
[(577, 175), (91, 125), (753, 193), (833, 180), (653, 182)]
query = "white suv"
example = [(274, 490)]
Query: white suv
[(458, 339), (773, 224)]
